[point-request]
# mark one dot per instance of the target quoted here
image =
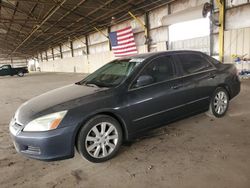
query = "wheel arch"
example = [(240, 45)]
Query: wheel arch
[(227, 88), (108, 113)]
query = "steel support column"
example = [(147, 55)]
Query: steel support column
[(87, 44), (147, 36), (53, 55), (71, 48), (61, 55), (221, 6)]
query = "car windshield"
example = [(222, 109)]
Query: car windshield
[(111, 74)]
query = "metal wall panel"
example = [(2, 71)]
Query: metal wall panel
[(199, 44), (139, 39), (66, 51), (98, 37), (98, 48), (80, 51), (177, 6), (98, 42), (57, 54), (237, 42), (232, 3), (182, 16), (79, 46), (66, 47), (44, 56), (14, 62), (133, 23), (238, 17), (79, 43), (155, 17), (120, 25), (159, 35), (49, 54)]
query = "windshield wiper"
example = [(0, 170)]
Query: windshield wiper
[(91, 85), (88, 84)]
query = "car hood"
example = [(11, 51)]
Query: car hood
[(56, 100)]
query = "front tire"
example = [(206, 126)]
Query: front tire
[(219, 102), (100, 139)]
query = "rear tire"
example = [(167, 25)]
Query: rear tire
[(20, 74), (219, 103), (100, 139)]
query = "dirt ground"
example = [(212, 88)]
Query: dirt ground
[(200, 151)]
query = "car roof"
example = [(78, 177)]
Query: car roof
[(153, 54)]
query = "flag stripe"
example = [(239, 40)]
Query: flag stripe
[(122, 34), (126, 54), (125, 32), (126, 49), (125, 36), (131, 39), (124, 29), (129, 44)]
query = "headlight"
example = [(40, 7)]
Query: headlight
[(45, 123)]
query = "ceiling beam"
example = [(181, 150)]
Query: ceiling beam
[(12, 17), (65, 15), (27, 19), (78, 20), (88, 29), (50, 13)]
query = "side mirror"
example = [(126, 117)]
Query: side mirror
[(144, 80)]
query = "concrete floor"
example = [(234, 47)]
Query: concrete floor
[(196, 152)]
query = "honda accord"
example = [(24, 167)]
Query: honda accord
[(120, 100)]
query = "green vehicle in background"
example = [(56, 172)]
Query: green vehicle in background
[(6, 70)]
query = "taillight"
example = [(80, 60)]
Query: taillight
[(235, 71), (236, 74)]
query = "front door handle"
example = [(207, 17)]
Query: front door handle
[(212, 75), (177, 86)]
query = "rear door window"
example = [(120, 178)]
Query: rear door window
[(193, 63)]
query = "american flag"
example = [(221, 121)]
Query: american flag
[(123, 42)]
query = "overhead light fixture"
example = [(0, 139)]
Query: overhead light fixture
[(113, 20), (3, 31)]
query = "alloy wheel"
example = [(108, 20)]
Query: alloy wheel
[(220, 102), (101, 140)]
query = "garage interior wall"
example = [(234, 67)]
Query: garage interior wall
[(237, 34), (99, 53), (15, 62)]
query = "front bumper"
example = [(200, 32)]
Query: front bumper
[(51, 145)]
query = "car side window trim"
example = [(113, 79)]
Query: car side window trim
[(176, 66), (192, 74), (210, 60), (130, 88)]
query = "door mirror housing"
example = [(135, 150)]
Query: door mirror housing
[(144, 80)]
